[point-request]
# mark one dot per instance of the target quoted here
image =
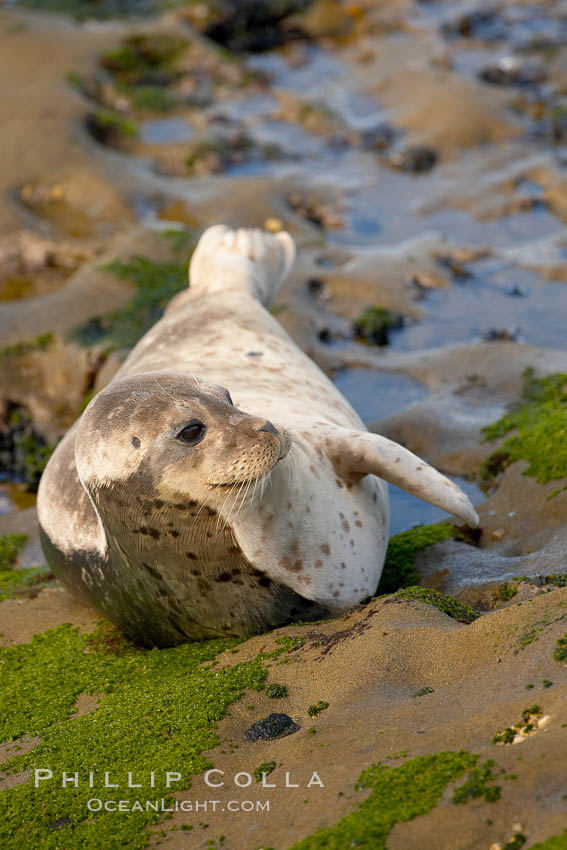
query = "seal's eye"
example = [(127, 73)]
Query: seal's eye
[(192, 433)]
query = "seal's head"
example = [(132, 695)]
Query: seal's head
[(175, 437)]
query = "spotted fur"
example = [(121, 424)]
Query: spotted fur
[(277, 514)]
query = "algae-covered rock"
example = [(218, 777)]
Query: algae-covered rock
[(144, 56), (397, 794), (248, 25), (376, 323), (23, 451), (399, 567), (24, 581), (156, 283), (112, 129), (275, 725), (537, 424), (452, 607)]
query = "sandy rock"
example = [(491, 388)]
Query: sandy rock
[(89, 292), (49, 383), (369, 666), (22, 618)]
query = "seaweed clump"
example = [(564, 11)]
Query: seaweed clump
[(153, 706), (479, 785), (263, 770), (23, 451), (397, 794), (452, 607), (316, 709), (112, 129), (556, 842), (399, 567), (524, 727), (375, 324), (156, 283), (18, 582), (145, 58), (560, 653), (539, 425)]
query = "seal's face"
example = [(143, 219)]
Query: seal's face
[(177, 436)]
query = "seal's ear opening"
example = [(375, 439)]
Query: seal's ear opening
[(244, 260)]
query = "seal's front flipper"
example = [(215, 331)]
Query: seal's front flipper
[(358, 453), (249, 260)]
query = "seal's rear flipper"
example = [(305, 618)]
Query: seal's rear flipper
[(358, 453), (250, 260)]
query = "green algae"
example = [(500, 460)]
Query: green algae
[(539, 628), (479, 784), (111, 128), (400, 577), (455, 609), (215, 150), (275, 691), (264, 769), (539, 423), (399, 567), (424, 691), (560, 653), (549, 580), (507, 591), (32, 454), (156, 283), (150, 98), (318, 708), (555, 579), (37, 343), (557, 842), (10, 547), (24, 451), (24, 582), (157, 712), (143, 54), (397, 794), (375, 324), (522, 728), (19, 582), (515, 843)]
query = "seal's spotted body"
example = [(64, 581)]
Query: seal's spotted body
[(181, 538)]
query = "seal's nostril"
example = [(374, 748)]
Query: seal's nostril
[(267, 426)]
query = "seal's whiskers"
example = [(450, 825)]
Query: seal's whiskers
[(228, 495)]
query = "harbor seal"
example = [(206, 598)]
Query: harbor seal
[(221, 485)]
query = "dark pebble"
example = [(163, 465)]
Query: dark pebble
[(458, 270), (271, 727), (254, 25), (510, 71), (57, 824), (484, 25), (501, 335), (415, 160), (517, 290), (378, 138)]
